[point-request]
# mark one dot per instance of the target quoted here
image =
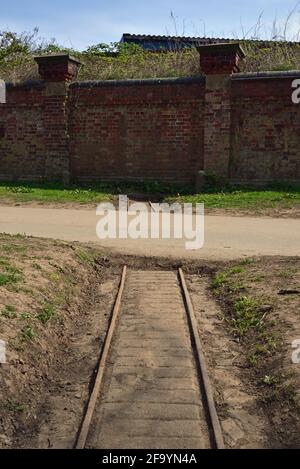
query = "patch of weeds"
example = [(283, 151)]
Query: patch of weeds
[(14, 406), (289, 393), (57, 267), (253, 359), (220, 280), (236, 286), (258, 279), (281, 392), (13, 288), (47, 312), (9, 312), (269, 380), (20, 189), (20, 236), (288, 273), (27, 291), (28, 334), (36, 266), (236, 270), (85, 257), (11, 248), (247, 314), (53, 277), (272, 340), (224, 279), (9, 274), (272, 395), (266, 342), (26, 316), (257, 351), (16, 344), (247, 261)]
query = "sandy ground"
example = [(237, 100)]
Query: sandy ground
[(226, 238)]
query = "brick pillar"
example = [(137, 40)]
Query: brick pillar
[(57, 71), (218, 62)]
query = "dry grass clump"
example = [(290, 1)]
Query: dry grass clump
[(129, 61)]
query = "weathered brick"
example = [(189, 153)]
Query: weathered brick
[(168, 130)]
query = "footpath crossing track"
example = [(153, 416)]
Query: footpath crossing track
[(152, 389)]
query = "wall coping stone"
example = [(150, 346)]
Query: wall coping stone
[(134, 82), (55, 57), (266, 75), (222, 48), (28, 84)]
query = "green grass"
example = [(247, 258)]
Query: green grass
[(14, 406), (13, 248), (282, 197), (53, 193), (47, 312), (229, 279), (276, 196), (85, 257), (28, 334), (247, 315), (9, 312), (9, 274), (83, 194)]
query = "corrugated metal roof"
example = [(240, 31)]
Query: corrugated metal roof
[(163, 43)]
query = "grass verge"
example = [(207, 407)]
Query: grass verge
[(280, 198), (84, 194)]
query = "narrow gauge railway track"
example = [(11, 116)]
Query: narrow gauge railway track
[(152, 388)]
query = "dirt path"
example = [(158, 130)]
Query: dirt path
[(226, 238), (152, 397)]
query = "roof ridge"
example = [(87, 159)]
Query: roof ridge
[(203, 38)]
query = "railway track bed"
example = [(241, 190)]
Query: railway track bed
[(152, 388)]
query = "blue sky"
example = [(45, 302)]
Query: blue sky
[(78, 23)]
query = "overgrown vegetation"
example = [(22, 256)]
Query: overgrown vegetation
[(99, 62), (249, 317), (121, 60)]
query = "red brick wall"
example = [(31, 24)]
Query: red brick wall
[(265, 131), (142, 131), (22, 137), (151, 130)]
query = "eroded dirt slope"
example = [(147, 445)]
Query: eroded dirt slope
[(54, 308)]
